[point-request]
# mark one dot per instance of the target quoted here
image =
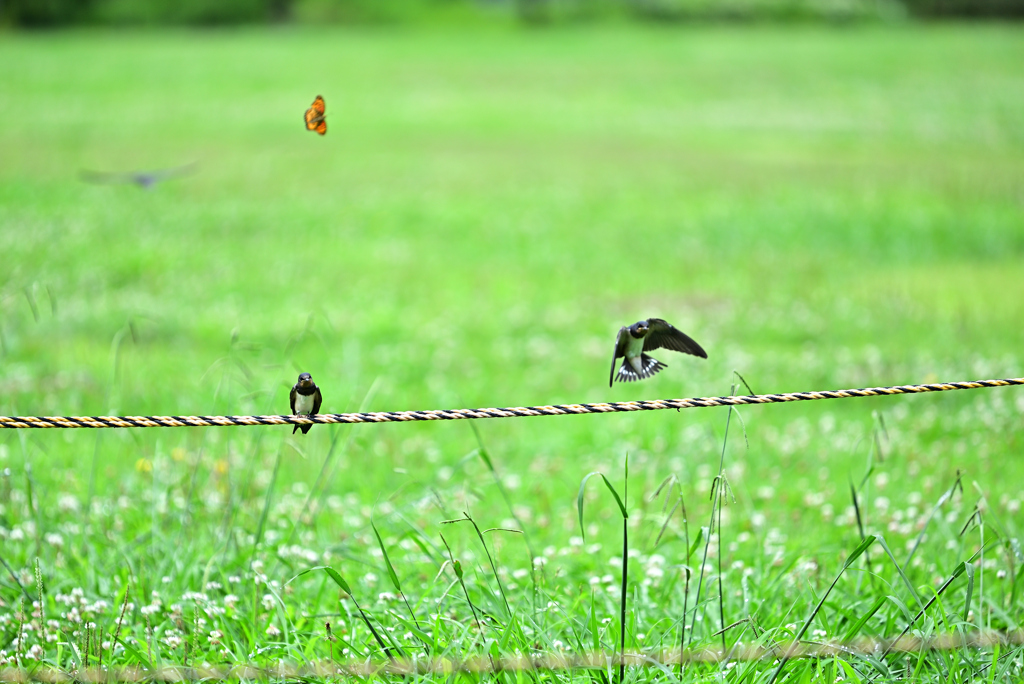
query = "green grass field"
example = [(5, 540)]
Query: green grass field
[(819, 208)]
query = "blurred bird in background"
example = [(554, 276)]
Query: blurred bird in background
[(144, 179)]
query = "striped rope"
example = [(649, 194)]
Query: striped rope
[(551, 662), (17, 422)]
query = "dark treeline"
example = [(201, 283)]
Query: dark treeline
[(44, 13)]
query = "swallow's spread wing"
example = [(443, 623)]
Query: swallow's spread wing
[(620, 350), (650, 366), (664, 334), (315, 116), (317, 400)]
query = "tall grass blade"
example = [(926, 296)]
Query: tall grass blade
[(579, 499), (969, 571), (716, 499), (855, 628), (625, 553), (966, 567), (854, 555), (340, 581), (487, 552), (393, 576), (903, 575)]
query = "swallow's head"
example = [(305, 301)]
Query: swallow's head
[(305, 379), (638, 329)]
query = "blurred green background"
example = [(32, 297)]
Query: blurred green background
[(817, 207), (470, 12), (820, 206)]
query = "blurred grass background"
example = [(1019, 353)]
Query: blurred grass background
[(468, 13), (486, 211), (819, 206)]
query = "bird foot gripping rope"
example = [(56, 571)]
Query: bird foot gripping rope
[(22, 422)]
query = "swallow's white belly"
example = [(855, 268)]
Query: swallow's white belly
[(304, 403), (633, 353)]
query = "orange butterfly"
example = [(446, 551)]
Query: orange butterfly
[(315, 120)]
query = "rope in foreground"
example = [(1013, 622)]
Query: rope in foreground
[(18, 422), (516, 663)]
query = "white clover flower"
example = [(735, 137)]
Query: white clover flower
[(152, 608), (99, 606), (273, 631), (67, 503)]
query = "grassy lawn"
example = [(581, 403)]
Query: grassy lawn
[(819, 208)]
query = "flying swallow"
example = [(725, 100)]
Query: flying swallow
[(635, 340), (305, 399), (144, 179)]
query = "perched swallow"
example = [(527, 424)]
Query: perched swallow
[(635, 340), (144, 179), (305, 399)]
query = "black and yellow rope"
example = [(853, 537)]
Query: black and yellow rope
[(20, 422)]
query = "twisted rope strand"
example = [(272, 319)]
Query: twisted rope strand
[(20, 422)]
